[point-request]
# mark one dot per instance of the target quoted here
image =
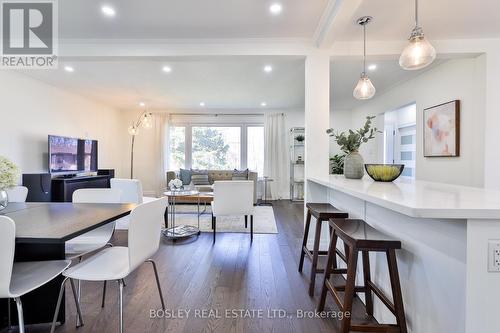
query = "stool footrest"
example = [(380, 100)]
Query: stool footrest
[(357, 289), (309, 253), (376, 290), (375, 328), (341, 255), (335, 295)]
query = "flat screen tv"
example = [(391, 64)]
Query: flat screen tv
[(71, 155)]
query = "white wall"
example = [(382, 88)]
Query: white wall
[(340, 120), (462, 79), (31, 110)]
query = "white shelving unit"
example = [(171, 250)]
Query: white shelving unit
[(297, 164)]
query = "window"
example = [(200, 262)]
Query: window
[(407, 139), (177, 156), (216, 147), (407, 156), (255, 149)]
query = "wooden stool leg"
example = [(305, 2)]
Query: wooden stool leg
[(304, 241), (314, 265), (345, 323), (346, 252), (396, 290), (329, 263), (367, 278), (251, 228), (334, 265)]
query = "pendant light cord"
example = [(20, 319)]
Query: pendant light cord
[(364, 48), (416, 13)]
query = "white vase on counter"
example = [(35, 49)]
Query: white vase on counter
[(354, 166)]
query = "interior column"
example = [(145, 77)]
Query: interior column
[(317, 120), (492, 119)]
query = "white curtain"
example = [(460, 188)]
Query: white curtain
[(160, 148), (275, 155)]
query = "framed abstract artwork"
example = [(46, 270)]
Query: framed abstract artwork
[(442, 130)]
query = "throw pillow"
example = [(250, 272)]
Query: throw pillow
[(240, 174), (185, 176), (199, 177)]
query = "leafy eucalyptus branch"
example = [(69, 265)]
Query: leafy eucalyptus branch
[(351, 141)]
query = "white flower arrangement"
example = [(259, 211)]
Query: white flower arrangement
[(9, 173), (175, 184)]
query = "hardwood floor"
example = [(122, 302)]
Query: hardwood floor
[(196, 276)]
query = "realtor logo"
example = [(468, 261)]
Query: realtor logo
[(29, 34)]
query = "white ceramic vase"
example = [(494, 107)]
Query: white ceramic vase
[(354, 166)]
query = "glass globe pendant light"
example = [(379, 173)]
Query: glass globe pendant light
[(147, 120), (132, 130), (419, 53), (365, 88)]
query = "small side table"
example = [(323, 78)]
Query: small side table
[(264, 201), (180, 231)]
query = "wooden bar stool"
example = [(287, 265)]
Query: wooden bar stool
[(322, 212), (358, 236)]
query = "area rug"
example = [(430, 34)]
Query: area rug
[(263, 220)]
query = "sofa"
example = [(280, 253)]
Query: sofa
[(215, 175)]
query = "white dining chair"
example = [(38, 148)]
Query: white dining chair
[(17, 193), (117, 262), (131, 190), (131, 193), (233, 198), (19, 278), (97, 238)]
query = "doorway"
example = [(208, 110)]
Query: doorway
[(400, 138)]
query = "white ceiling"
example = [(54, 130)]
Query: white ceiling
[(189, 19), (443, 19), (239, 82), (221, 82)]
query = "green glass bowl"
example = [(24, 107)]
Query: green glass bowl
[(384, 172)]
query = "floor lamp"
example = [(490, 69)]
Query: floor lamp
[(145, 120)]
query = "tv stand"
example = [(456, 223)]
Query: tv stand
[(66, 176), (63, 187)]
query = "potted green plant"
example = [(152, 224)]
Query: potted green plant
[(9, 173), (337, 164), (300, 138), (349, 143)]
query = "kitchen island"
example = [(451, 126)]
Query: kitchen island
[(445, 232)]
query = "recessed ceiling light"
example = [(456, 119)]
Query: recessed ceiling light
[(202, 104), (167, 69), (372, 67), (108, 11), (268, 68), (263, 104), (142, 104), (276, 8), (69, 69)]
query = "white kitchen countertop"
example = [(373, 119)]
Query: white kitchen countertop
[(417, 198)]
